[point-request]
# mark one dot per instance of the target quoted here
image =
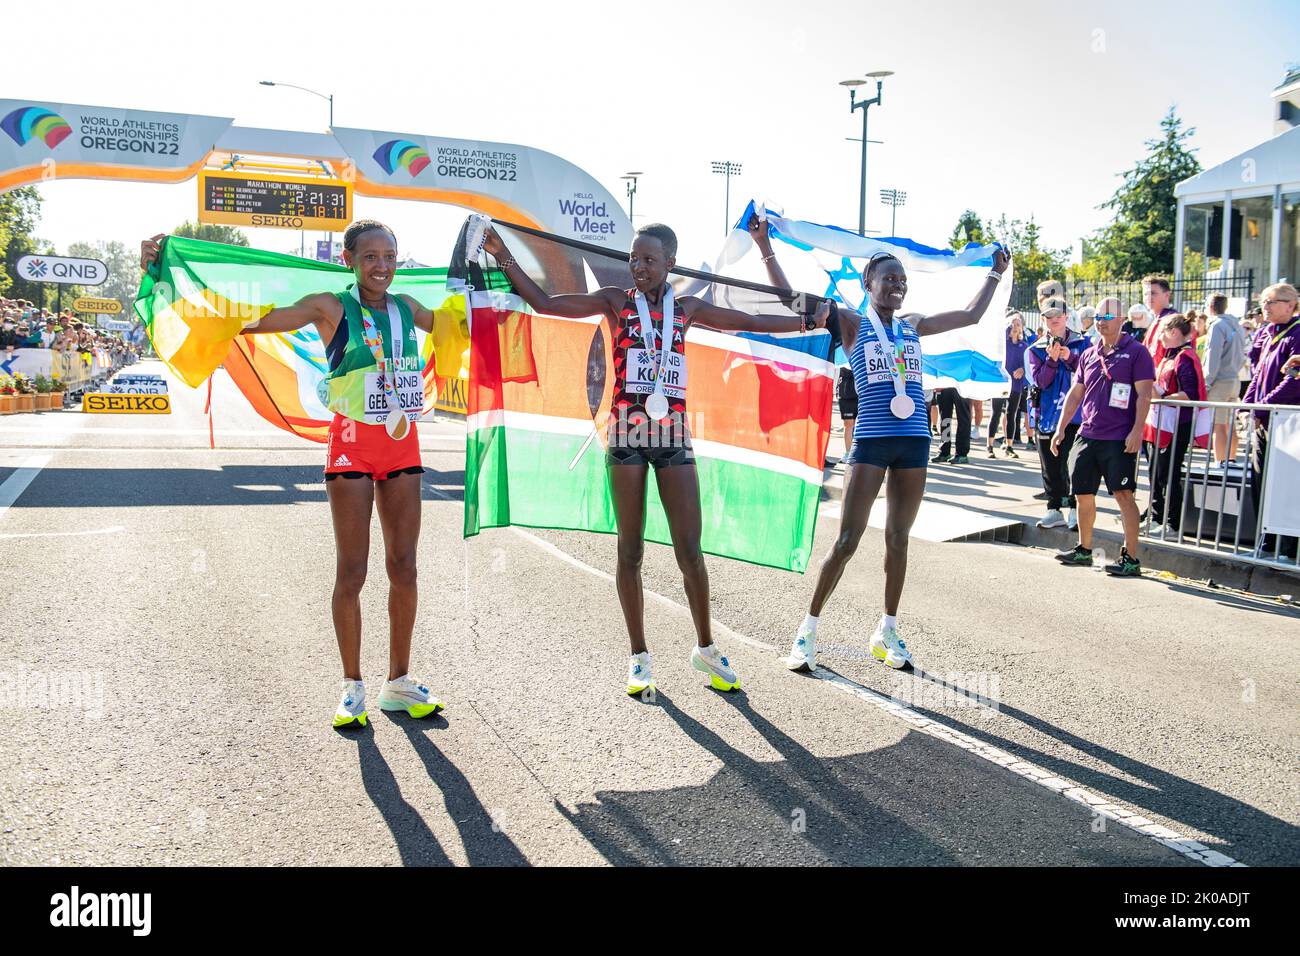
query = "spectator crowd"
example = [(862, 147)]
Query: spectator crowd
[(24, 325), (1088, 392)]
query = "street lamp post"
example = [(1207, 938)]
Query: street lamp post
[(330, 99), (894, 198), (864, 105), (631, 193), (727, 168)]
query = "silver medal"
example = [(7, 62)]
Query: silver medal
[(657, 406), (902, 406)]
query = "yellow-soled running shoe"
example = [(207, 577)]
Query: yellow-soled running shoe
[(409, 695), (709, 660), (640, 676), (352, 705)]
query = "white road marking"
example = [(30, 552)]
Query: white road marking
[(64, 534), (17, 483), (655, 595), (1099, 805)]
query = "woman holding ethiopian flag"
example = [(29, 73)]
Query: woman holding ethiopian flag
[(373, 455), (891, 437), (648, 425)]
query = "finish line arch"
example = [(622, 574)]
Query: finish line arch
[(42, 141)]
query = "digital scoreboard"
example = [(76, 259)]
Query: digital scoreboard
[(275, 202)]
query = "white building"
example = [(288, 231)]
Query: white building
[(1244, 214)]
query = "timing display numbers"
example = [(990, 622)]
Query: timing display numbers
[(275, 202)]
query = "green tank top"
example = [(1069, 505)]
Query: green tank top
[(355, 386)]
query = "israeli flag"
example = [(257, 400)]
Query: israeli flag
[(831, 260)]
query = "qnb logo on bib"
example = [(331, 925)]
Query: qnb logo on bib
[(640, 373), (409, 386)]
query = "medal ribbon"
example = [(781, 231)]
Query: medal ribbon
[(375, 341), (899, 369), (665, 334)]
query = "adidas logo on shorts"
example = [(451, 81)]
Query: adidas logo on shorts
[(341, 462)]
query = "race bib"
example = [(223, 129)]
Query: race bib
[(1119, 395), (880, 361), (640, 373), (410, 395)]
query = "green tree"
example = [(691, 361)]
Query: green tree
[(211, 233), (1140, 239), (1033, 261), (968, 229), (20, 212), (123, 272)]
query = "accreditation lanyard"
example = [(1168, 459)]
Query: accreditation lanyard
[(1281, 335), (665, 335), (1105, 368), (374, 339)]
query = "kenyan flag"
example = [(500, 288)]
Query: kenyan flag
[(539, 399)]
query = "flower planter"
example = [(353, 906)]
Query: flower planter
[(7, 404), (41, 402), (56, 401), (24, 403)]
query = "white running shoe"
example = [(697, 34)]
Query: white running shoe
[(640, 677), (803, 652), (709, 660), (352, 705), (887, 646), (409, 695), (1053, 519), (1072, 519)]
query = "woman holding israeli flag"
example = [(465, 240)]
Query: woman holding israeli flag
[(891, 438)]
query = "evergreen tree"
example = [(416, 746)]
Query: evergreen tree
[(211, 233), (968, 229), (1140, 240)]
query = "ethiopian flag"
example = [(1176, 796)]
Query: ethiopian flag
[(538, 402), (199, 296)]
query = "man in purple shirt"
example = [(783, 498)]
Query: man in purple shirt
[(1113, 386), (1275, 357)]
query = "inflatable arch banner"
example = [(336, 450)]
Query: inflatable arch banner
[(41, 141)]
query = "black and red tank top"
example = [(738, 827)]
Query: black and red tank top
[(634, 360)]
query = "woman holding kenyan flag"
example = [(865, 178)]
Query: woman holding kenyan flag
[(648, 425), (373, 455)]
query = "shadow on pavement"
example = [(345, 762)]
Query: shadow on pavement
[(416, 843), (486, 844), (237, 485), (857, 810), (1272, 841)]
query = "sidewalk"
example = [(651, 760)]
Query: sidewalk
[(1006, 487)]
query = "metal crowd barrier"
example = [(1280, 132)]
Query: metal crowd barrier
[(1218, 513)]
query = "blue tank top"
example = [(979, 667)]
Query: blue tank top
[(874, 380)]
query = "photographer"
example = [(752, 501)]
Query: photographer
[(1275, 357), (1052, 361)]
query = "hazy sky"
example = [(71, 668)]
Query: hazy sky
[(1019, 107)]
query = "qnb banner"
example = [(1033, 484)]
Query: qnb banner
[(42, 140), (502, 179)]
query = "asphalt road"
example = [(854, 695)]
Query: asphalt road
[(168, 671)]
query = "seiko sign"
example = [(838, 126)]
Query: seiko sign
[(63, 270)]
